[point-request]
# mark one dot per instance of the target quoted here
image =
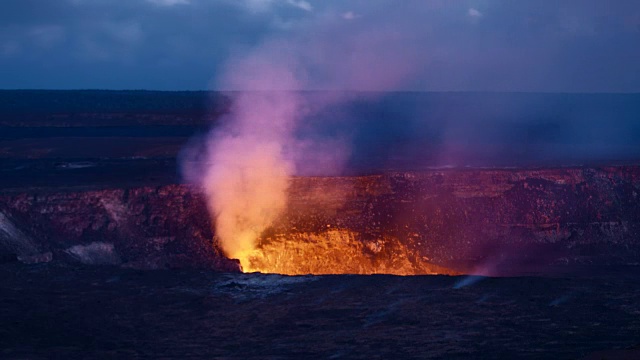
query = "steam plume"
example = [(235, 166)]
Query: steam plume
[(246, 181), (251, 156)]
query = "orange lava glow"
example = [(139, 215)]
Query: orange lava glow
[(335, 252)]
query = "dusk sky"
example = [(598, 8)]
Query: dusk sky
[(441, 45)]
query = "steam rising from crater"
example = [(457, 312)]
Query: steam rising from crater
[(249, 155), (252, 154), (246, 181)]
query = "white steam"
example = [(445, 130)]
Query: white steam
[(251, 156), (249, 169)]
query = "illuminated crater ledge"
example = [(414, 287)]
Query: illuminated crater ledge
[(336, 252), (486, 222), (505, 221)]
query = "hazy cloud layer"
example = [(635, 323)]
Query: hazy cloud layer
[(472, 45)]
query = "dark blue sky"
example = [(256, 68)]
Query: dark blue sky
[(465, 45)]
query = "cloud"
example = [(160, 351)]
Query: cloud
[(125, 33), (47, 36), (9, 48), (350, 15), (169, 2), (261, 6), (474, 13), (111, 41), (528, 45), (301, 4), (255, 6), (284, 24)]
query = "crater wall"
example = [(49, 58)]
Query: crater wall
[(473, 220)]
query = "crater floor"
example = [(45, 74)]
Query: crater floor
[(61, 311)]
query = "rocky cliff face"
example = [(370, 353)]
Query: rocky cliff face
[(484, 221), (149, 227), (487, 221)]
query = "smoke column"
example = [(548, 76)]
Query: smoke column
[(248, 169), (253, 153)]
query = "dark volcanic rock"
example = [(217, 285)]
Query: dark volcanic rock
[(486, 221), (542, 215), (70, 311), (148, 227)]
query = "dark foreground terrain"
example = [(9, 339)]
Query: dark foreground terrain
[(61, 311)]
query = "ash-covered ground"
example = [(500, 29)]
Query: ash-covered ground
[(61, 311)]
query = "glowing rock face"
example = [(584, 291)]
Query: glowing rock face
[(336, 252), (487, 222)]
